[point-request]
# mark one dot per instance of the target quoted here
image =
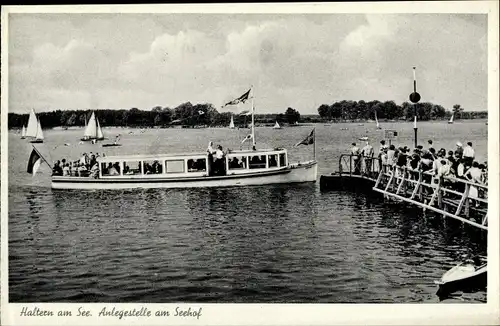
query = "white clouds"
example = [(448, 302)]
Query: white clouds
[(297, 60)]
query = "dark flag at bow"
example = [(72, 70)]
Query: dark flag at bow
[(308, 141), (34, 161), (240, 99)]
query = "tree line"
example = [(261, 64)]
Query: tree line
[(389, 110), (192, 115)]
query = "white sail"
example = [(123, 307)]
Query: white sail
[(39, 131), (91, 130), (32, 125), (99, 131), (277, 125), (376, 120), (451, 119), (23, 132), (231, 124)]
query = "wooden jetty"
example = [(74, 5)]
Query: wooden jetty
[(450, 197)]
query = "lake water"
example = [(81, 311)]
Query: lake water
[(278, 243)]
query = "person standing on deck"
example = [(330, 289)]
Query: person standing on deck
[(460, 149), (355, 158), (382, 147), (469, 154), (367, 153), (391, 155), (211, 152), (219, 159), (474, 174)]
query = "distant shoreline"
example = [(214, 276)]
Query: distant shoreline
[(259, 125)]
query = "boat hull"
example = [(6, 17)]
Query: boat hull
[(295, 173), (90, 139), (477, 280), (467, 285), (36, 141), (110, 145)]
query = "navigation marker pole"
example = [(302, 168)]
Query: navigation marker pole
[(414, 98), (314, 146), (253, 120)]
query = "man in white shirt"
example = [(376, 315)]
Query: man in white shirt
[(469, 154), (367, 153), (219, 161)]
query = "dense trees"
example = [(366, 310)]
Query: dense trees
[(389, 110), (292, 116), (206, 114)]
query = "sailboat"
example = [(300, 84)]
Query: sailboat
[(23, 132), (39, 133), (93, 130), (32, 125), (231, 124), (451, 119), (277, 125), (376, 120)]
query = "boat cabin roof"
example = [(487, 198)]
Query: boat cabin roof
[(152, 157)]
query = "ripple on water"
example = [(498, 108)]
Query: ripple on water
[(283, 243)]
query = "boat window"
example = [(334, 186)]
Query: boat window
[(273, 160), (131, 168), (153, 167), (197, 165), (282, 159), (257, 162), (110, 168), (174, 166), (237, 162)]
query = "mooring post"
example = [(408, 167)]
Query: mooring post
[(420, 180), (440, 195)]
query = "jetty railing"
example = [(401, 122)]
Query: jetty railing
[(447, 195), (453, 197), (364, 166)]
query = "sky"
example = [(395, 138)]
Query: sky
[(120, 61)]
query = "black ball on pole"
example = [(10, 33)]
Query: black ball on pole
[(414, 97)]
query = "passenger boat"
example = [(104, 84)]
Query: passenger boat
[(241, 168), (93, 130), (471, 274), (190, 170)]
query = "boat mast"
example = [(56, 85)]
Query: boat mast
[(253, 120)]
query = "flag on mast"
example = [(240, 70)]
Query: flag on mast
[(308, 140), (240, 99), (248, 137)]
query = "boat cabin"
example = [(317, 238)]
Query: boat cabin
[(192, 165)]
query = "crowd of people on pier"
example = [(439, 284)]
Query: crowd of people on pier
[(460, 163)]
